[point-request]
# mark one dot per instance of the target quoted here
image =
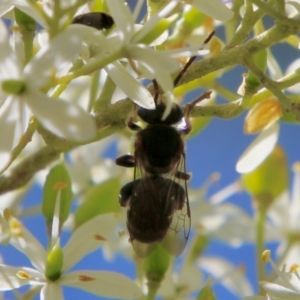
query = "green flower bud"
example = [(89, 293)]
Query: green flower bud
[(54, 263), (57, 179), (101, 199), (155, 266), (13, 87)]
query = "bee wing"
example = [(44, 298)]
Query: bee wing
[(168, 193), (177, 235)]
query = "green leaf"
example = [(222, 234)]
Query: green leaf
[(101, 199), (270, 178), (58, 178)]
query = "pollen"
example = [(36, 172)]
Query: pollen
[(296, 167), (60, 185), (16, 226), (294, 268), (85, 278), (23, 275), (99, 237), (6, 214), (266, 256)]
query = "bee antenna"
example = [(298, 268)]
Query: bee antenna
[(191, 60)]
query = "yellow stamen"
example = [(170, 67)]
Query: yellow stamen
[(266, 256), (294, 268), (23, 275), (296, 167), (6, 214), (16, 226)]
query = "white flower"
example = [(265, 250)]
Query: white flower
[(126, 43), (85, 239), (218, 219), (285, 287), (20, 93)]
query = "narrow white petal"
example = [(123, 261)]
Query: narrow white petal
[(61, 50), (122, 17), (8, 60), (9, 279), (258, 150), (130, 86), (67, 120), (32, 248), (8, 124), (149, 25), (87, 238), (278, 291), (159, 65), (105, 284), (214, 8), (51, 290), (232, 277)]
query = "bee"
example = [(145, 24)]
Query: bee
[(98, 20), (157, 198)]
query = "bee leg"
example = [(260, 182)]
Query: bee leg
[(127, 161), (189, 108), (133, 126)]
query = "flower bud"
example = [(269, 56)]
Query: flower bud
[(57, 179), (54, 263), (262, 115)]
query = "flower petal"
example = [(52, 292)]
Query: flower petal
[(87, 238), (9, 279), (278, 291), (61, 50), (9, 67), (233, 278), (131, 87), (122, 17), (64, 119), (51, 290), (258, 150), (31, 247), (214, 8), (14, 118), (105, 284)]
